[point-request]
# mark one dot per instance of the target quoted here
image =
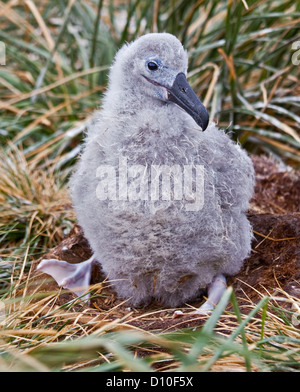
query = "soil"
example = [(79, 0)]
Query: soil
[(273, 266)]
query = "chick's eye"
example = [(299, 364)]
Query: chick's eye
[(152, 66)]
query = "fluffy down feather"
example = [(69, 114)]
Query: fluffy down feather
[(160, 249)]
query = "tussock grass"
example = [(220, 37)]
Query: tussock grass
[(57, 59), (242, 64), (37, 335), (34, 202)]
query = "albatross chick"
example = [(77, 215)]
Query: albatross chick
[(161, 194)]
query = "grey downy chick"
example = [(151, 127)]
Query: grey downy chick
[(160, 194)]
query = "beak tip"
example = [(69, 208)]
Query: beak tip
[(203, 120), (205, 125), (182, 94)]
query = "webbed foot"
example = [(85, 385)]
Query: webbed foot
[(75, 277), (215, 292)]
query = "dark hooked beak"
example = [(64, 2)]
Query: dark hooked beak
[(183, 95)]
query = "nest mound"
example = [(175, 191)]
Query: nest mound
[(274, 263), (275, 216)]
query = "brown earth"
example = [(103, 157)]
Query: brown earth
[(274, 263)]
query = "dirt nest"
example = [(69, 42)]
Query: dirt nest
[(274, 263), (275, 216)]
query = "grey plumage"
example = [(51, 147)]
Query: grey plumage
[(160, 249)]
